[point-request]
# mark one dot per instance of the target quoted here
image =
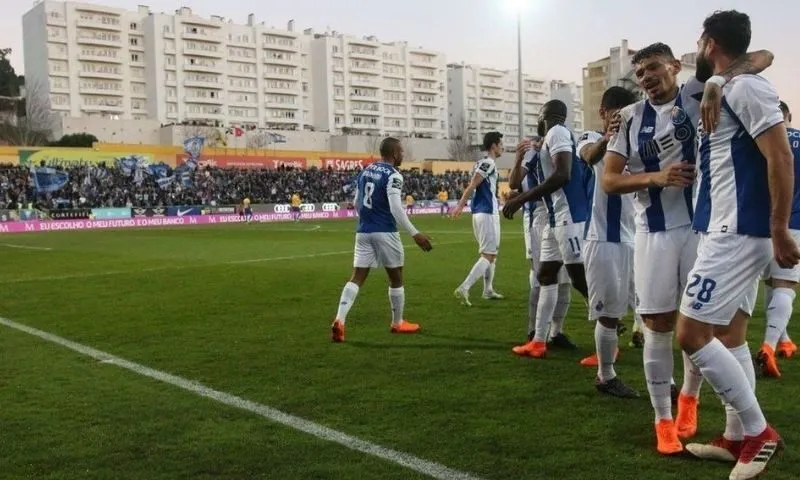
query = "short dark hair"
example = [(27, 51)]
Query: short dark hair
[(784, 107), (730, 30), (556, 108), (491, 139), (652, 51), (617, 97), (388, 146)]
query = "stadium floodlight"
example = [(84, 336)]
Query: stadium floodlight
[(518, 6)]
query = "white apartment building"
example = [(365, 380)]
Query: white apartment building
[(362, 85), (572, 95), (92, 60), (483, 99)]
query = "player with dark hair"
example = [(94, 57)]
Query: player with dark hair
[(380, 210), (608, 249), (563, 193), (743, 210), (482, 195), (654, 155)]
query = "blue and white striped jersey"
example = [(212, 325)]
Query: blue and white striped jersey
[(610, 216), (733, 193), (375, 183), (535, 213), (794, 142), (652, 137), (566, 205), (484, 200)]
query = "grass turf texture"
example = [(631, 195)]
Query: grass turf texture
[(172, 300)]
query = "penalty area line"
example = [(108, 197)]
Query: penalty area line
[(25, 247), (419, 465)]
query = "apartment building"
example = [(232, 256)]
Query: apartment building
[(616, 70), (481, 100), (365, 86), (93, 60), (572, 95)]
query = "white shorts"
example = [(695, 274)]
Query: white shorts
[(534, 238), (725, 277), (562, 243), (788, 274), (487, 232), (661, 262), (609, 269), (526, 228), (379, 249)]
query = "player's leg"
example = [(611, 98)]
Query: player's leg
[(725, 273), (637, 337), (551, 263), (533, 244), (783, 284), (488, 277), (364, 259), (482, 225), (570, 240), (391, 256), (655, 270)]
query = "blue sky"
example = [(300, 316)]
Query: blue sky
[(559, 36)]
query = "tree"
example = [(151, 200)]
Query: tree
[(34, 123), (9, 81), (213, 136), (259, 139), (80, 140), (408, 147), (460, 148)]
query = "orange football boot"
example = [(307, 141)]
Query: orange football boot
[(593, 361), (405, 327), (786, 349), (686, 422), (337, 331), (767, 361), (667, 437)]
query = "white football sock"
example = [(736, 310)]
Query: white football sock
[(779, 312), (638, 323), (548, 296), (349, 294), (692, 378), (532, 279), (733, 425), (658, 366), (477, 272), (533, 303), (397, 299), (767, 295), (728, 379), (488, 278), (785, 336), (562, 306), (605, 341)]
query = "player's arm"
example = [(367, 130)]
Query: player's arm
[(394, 193), (615, 181), (752, 63), (592, 148), (524, 154), (483, 171)]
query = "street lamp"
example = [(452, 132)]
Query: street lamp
[(518, 6)]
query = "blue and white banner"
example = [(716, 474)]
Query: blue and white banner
[(48, 179)]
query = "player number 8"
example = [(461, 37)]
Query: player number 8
[(707, 285), (369, 189)]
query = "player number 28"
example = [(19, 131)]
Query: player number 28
[(707, 285), (369, 189)]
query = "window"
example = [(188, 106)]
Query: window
[(134, 41), (134, 57), (134, 26)]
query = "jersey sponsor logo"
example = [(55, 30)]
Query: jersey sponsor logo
[(683, 127), (583, 137), (183, 212), (282, 208), (397, 183), (648, 129), (484, 167)]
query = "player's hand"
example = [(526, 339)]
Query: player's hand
[(786, 252), (456, 212), (511, 207), (676, 175), (522, 149), (613, 126), (710, 107), (423, 242), (512, 194)]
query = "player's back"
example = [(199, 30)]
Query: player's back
[(733, 192), (794, 142), (567, 204), (484, 200), (534, 211), (374, 213)]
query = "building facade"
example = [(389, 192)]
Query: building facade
[(481, 100), (572, 95), (616, 70)]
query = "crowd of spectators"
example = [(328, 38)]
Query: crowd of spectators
[(103, 186)]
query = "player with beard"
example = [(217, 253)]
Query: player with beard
[(656, 142)]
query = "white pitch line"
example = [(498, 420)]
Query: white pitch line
[(184, 267), (25, 247), (419, 465)]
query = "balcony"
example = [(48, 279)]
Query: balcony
[(394, 102), (98, 58), (199, 67), (426, 116), (63, 88), (394, 74), (418, 62), (492, 94), (202, 83), (493, 107), (199, 52), (492, 120), (423, 103), (432, 129), (360, 111), (58, 21), (291, 46), (362, 98), (422, 76), (285, 91), (280, 76), (367, 70), (365, 54), (203, 115), (360, 82), (138, 95), (203, 100), (285, 60), (94, 40), (106, 75), (98, 24), (425, 89), (94, 90), (104, 108), (203, 37), (282, 106), (58, 73)]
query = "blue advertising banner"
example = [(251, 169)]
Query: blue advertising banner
[(111, 213), (183, 211)]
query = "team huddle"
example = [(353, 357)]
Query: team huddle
[(678, 209)]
